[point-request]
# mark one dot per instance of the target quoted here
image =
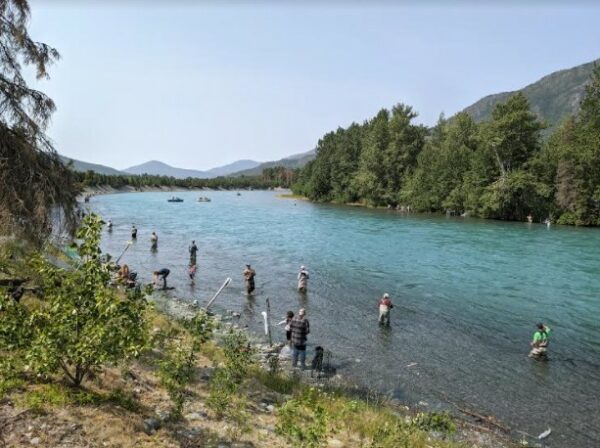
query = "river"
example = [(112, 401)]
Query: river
[(467, 296)]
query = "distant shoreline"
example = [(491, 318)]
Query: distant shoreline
[(107, 189)]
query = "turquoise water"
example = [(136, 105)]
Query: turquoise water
[(467, 293)]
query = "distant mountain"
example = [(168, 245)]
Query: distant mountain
[(233, 168), (78, 165), (155, 167), (293, 161), (552, 98)]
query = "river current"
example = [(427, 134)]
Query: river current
[(467, 296)]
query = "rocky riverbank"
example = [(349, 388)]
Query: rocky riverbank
[(132, 404)]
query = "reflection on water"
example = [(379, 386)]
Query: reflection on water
[(467, 295)]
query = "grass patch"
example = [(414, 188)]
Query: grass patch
[(123, 399), (281, 383), (10, 384), (45, 396)]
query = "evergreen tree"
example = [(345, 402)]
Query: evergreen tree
[(34, 182)]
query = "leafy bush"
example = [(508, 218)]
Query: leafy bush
[(15, 331), (304, 420), (177, 368), (176, 371), (85, 323), (228, 378)]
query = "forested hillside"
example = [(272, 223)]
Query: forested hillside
[(498, 168), (552, 98), (78, 165), (291, 162)]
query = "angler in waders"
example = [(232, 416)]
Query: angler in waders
[(539, 344), (302, 279), (249, 275), (193, 249)]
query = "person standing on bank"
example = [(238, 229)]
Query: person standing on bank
[(385, 306), (302, 279), (249, 275), (300, 329), (193, 249)]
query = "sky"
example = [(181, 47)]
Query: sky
[(201, 84)]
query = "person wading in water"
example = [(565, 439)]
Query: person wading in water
[(249, 275), (302, 279), (192, 273), (193, 251), (161, 274), (540, 342), (154, 241), (385, 306), (133, 232)]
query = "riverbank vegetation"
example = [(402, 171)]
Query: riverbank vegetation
[(501, 168), (270, 178), (33, 181), (86, 363)]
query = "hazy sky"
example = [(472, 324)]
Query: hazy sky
[(197, 85)]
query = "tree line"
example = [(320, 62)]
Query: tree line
[(270, 178), (34, 183), (501, 168)]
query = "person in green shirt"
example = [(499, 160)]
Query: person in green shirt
[(539, 345)]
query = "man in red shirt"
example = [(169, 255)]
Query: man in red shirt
[(385, 305)]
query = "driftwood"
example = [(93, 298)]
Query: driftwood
[(483, 418), (12, 281), (486, 419)]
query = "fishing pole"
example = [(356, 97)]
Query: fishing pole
[(218, 292), (129, 243)]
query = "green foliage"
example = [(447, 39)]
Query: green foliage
[(228, 377), (176, 371), (15, 331), (553, 97), (8, 384), (272, 177), (238, 355), (201, 327), (500, 168), (84, 323), (34, 181), (45, 396), (434, 421), (304, 420), (221, 390), (279, 382)]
